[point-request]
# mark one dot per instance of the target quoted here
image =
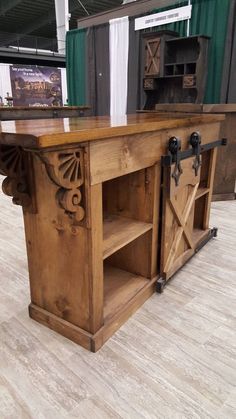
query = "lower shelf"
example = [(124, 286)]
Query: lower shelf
[(119, 288), (199, 235)]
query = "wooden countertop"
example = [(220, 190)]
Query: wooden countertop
[(42, 133), (194, 107), (41, 108)]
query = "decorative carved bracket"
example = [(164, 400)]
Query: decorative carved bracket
[(66, 170), (13, 164)]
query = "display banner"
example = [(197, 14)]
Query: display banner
[(158, 19), (36, 86)]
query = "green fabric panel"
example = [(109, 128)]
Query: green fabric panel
[(209, 17), (75, 66)]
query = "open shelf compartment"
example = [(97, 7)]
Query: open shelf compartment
[(130, 231), (119, 231), (120, 287)]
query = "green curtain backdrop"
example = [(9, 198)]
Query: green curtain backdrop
[(75, 65), (210, 18)]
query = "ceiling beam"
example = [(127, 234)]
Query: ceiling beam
[(6, 6), (129, 9), (31, 27)]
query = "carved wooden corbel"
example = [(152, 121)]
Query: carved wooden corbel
[(13, 165), (66, 170)]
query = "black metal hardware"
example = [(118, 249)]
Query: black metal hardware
[(212, 233), (174, 150), (161, 282), (168, 160), (195, 142)]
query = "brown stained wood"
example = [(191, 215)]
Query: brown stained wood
[(40, 112), (201, 192), (178, 212), (186, 335), (116, 321), (120, 286), (57, 256), (224, 183), (210, 183), (42, 108), (114, 157), (136, 195), (179, 107), (51, 133), (153, 55), (224, 197), (135, 257), (95, 262), (199, 234), (119, 231), (131, 196), (75, 186), (65, 328), (225, 175), (196, 107), (156, 233)]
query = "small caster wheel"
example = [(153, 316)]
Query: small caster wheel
[(215, 231), (160, 285)]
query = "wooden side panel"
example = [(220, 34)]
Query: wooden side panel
[(210, 182), (225, 175), (60, 256), (95, 261)]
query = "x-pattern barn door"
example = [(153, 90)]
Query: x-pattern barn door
[(178, 215), (153, 48)]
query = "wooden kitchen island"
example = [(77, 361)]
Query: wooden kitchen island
[(112, 209)]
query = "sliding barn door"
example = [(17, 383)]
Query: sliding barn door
[(180, 185)]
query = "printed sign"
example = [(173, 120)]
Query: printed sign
[(162, 18), (36, 86)]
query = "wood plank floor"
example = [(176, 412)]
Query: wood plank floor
[(175, 358)]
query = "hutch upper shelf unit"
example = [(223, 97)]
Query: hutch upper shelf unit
[(175, 69), (97, 243)]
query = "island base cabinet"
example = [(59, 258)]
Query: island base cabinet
[(105, 220), (90, 267)]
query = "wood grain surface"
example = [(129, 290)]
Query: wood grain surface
[(175, 358), (50, 133)]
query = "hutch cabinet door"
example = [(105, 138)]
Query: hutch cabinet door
[(153, 57)]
